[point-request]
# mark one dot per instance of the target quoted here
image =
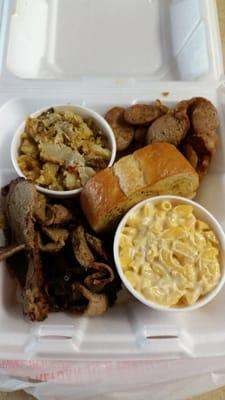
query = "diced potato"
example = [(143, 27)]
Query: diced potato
[(48, 174), (29, 148), (29, 167), (71, 180)]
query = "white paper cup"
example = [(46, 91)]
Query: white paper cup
[(84, 113), (201, 213)]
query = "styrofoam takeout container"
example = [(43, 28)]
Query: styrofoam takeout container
[(99, 54), (201, 213), (85, 113)]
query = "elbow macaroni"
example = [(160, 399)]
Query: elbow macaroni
[(168, 255)]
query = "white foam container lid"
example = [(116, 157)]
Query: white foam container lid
[(103, 53)]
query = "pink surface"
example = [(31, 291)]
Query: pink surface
[(138, 372)]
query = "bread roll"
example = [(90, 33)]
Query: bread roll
[(154, 170)]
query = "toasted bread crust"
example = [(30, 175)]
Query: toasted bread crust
[(155, 169)]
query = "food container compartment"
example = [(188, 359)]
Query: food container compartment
[(129, 329), (159, 37), (178, 56)]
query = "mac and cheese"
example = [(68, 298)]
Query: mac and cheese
[(168, 255)]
